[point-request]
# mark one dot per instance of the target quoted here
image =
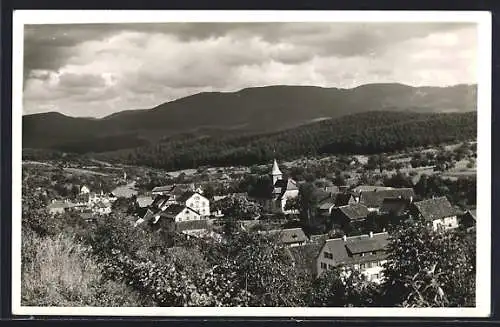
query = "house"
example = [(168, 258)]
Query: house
[(364, 253), (101, 208), (195, 201), (394, 206), (163, 190), (326, 206), (84, 190), (373, 199), (468, 219), (144, 201), (283, 190), (289, 237), (175, 190), (437, 211), (57, 207), (178, 212), (349, 214)]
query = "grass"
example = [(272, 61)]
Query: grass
[(57, 271)]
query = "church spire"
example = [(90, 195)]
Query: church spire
[(276, 172)]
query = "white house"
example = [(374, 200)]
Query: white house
[(195, 201), (84, 190), (178, 213), (364, 253), (283, 191), (438, 211)]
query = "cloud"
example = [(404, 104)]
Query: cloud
[(95, 70)]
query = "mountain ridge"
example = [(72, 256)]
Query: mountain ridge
[(247, 111)]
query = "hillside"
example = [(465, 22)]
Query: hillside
[(249, 111), (362, 133)]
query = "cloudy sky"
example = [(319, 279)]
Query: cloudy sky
[(95, 70)]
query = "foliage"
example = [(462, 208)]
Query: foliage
[(426, 268), (366, 133), (334, 289)]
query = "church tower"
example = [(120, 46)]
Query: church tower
[(276, 172)]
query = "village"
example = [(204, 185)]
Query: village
[(323, 223)]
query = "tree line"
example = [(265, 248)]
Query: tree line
[(366, 133)]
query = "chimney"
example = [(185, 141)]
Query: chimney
[(344, 237), (371, 234)]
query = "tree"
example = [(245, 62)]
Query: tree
[(307, 202), (426, 268), (334, 289), (238, 207)]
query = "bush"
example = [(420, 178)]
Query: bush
[(61, 272)]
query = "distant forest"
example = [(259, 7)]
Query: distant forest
[(364, 133)]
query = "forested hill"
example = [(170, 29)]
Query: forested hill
[(364, 133), (249, 111)]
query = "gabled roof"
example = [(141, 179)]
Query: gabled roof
[(354, 211), (437, 208), (369, 188), (374, 199), (291, 235), (342, 199), (159, 201), (327, 204), (144, 200), (283, 185), (174, 209), (341, 250), (165, 188), (186, 195), (394, 205)]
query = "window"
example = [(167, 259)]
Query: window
[(328, 255), (323, 265), (374, 252), (375, 276), (362, 266), (330, 266)]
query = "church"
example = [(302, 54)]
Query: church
[(283, 190)]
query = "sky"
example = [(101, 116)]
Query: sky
[(94, 70)]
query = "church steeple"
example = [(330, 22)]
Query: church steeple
[(276, 172)]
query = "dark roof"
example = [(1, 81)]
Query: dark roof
[(191, 225), (354, 211), (370, 188), (394, 205), (283, 185), (165, 188), (437, 208), (304, 256), (291, 235), (342, 199), (327, 204), (363, 246), (159, 200), (340, 249), (374, 199), (318, 238), (174, 209)]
